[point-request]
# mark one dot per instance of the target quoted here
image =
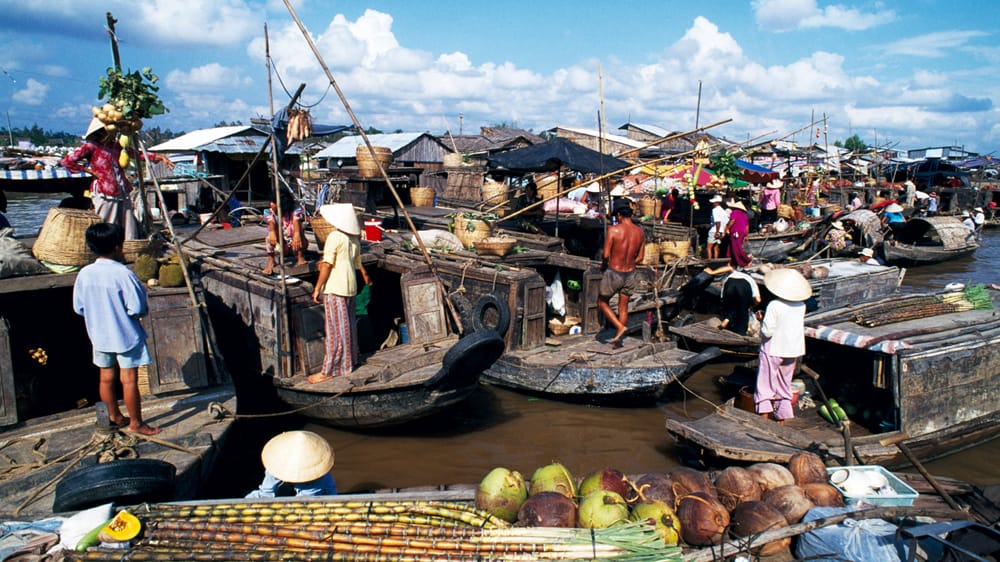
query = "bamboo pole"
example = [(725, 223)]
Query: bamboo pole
[(456, 317), (672, 136)]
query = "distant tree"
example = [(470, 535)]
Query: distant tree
[(504, 125), (224, 124), (372, 131), (853, 143)]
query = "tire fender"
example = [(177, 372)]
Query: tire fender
[(486, 302), (121, 481)]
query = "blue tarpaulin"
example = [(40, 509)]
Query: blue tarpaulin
[(755, 174)]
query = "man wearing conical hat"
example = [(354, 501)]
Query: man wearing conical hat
[(336, 288), (296, 463), (111, 189), (783, 341)]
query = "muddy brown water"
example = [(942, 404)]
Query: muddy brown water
[(496, 427)]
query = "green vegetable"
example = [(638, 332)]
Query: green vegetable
[(91, 538), (833, 403), (136, 90), (825, 413), (840, 413)]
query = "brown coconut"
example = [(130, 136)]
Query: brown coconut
[(703, 519), (547, 509), (654, 486), (769, 476), (820, 272), (823, 494), (791, 501), (735, 485), (689, 480), (806, 468), (755, 517)]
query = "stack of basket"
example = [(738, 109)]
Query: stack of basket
[(673, 250), (367, 167), (651, 254), (494, 193), (135, 248), (63, 240), (470, 231), (422, 196)]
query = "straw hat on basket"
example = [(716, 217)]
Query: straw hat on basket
[(894, 208), (342, 217), (787, 284), (297, 456)]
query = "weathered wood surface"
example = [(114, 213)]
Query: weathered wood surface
[(184, 419), (849, 281), (582, 369), (708, 333)]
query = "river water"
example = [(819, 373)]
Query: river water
[(497, 427)]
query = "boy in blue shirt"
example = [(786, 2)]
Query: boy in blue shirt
[(111, 300)]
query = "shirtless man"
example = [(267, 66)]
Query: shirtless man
[(623, 250)]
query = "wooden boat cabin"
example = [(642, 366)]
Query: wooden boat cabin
[(925, 240), (899, 366)]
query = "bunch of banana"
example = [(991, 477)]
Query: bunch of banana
[(299, 125), (40, 355)]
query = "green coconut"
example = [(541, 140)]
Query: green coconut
[(552, 478), (501, 493), (605, 479), (601, 509), (171, 275), (661, 516), (146, 267)]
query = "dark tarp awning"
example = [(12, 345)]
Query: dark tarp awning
[(554, 154)]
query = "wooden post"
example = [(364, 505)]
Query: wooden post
[(114, 41), (850, 455), (898, 441)]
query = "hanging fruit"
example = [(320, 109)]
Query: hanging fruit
[(123, 159)]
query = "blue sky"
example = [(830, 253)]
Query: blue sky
[(903, 74)]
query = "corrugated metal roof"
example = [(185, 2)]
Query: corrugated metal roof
[(347, 147), (613, 138), (202, 138), (660, 132)]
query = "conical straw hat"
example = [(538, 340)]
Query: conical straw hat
[(95, 125), (787, 284), (297, 456), (342, 217)]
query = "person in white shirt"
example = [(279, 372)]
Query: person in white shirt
[(720, 218), (968, 222), (867, 257), (782, 333)]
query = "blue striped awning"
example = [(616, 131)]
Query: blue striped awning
[(46, 174)]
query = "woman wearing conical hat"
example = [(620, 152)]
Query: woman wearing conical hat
[(296, 463), (783, 341)]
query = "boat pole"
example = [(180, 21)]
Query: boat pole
[(456, 317), (850, 454), (898, 441)]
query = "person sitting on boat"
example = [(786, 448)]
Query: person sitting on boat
[(967, 221), (740, 294), (624, 249), (716, 231), (296, 463), (867, 257), (111, 189), (293, 234), (338, 286), (737, 230), (783, 341), (531, 219), (837, 237), (893, 217)]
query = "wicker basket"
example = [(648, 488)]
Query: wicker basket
[(367, 167), (562, 327), (649, 207), (651, 254), (422, 196), (134, 248), (673, 250), (494, 193), (452, 160), (548, 186), (470, 231), (321, 229), (63, 238), (495, 246)]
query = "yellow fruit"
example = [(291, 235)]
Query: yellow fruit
[(103, 116), (107, 107), (123, 159), (124, 527), (110, 127), (95, 110), (123, 141), (120, 104)]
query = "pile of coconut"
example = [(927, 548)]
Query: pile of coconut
[(696, 507)]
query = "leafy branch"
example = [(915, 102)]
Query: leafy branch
[(136, 92)]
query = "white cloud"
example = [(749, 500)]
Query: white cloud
[(788, 15), (33, 93), (937, 44), (206, 78), (194, 22)]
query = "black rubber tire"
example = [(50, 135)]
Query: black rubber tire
[(464, 309), (123, 482), (483, 305), (468, 358)]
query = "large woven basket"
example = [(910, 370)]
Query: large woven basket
[(321, 229), (562, 327), (135, 248), (422, 196), (452, 160), (494, 193), (673, 250), (649, 207), (651, 255), (367, 167), (63, 238), (470, 231), (495, 245), (548, 186)]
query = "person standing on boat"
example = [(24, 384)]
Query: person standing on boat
[(737, 230), (893, 218), (739, 294), (770, 200), (783, 341), (716, 231), (855, 202), (932, 204), (111, 300), (292, 232), (624, 249), (967, 221), (979, 219), (338, 287), (111, 189), (296, 463)]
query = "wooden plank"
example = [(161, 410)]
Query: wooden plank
[(628, 345), (425, 315), (175, 342), (533, 323), (8, 394), (591, 314)]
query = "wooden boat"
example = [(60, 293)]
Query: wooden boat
[(49, 180), (933, 378), (776, 247), (48, 433), (930, 240), (277, 330)]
